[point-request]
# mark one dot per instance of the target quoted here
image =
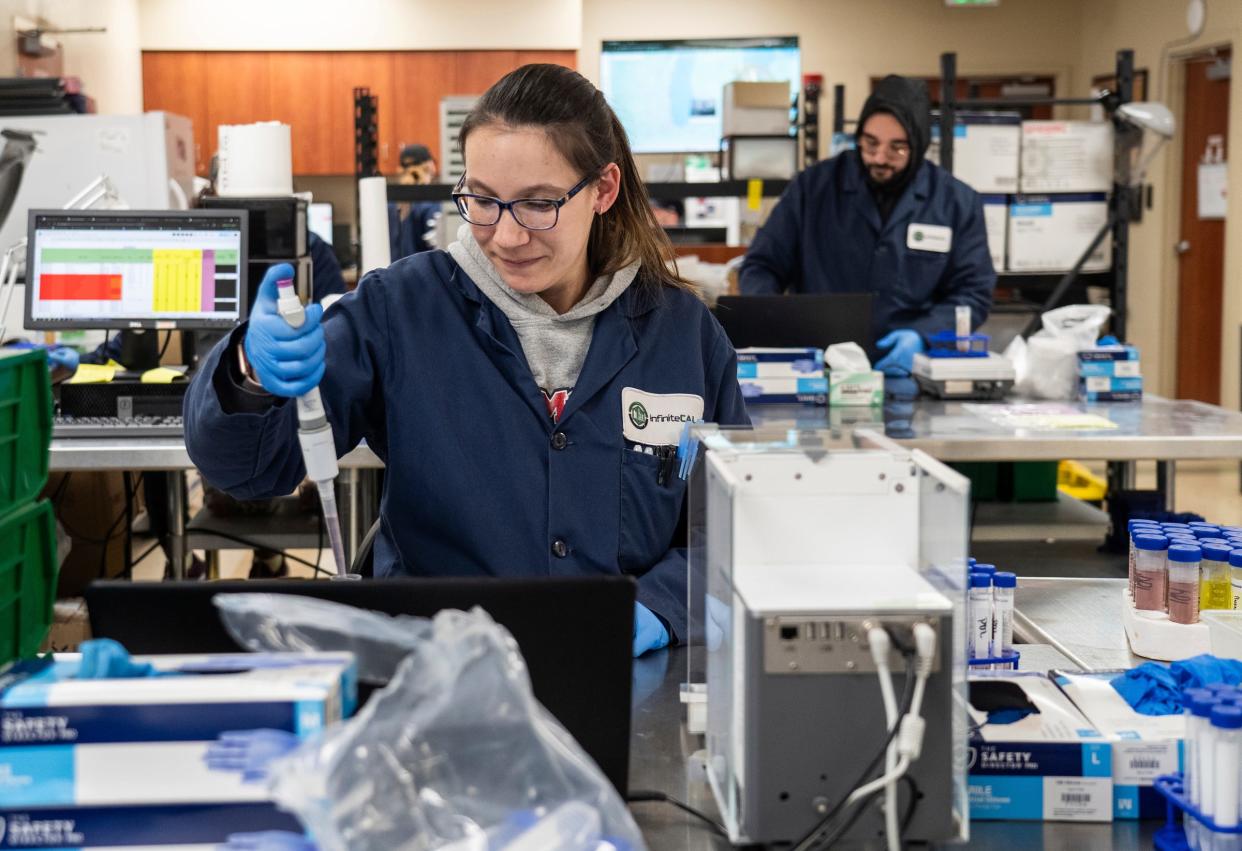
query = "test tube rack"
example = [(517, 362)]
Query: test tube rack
[(1172, 837)]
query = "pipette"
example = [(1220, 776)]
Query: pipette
[(315, 434)]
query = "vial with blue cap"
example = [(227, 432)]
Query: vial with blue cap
[(1197, 703), (980, 637), (1215, 589), (1139, 527), (1150, 573), (1227, 734), (1235, 577), (1004, 585), (1184, 583)]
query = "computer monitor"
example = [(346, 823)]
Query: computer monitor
[(819, 319), (162, 269), (319, 220)]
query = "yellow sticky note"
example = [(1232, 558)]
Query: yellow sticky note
[(161, 375), (754, 193), (93, 373)]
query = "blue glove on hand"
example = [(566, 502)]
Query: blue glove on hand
[(63, 356), (649, 631), (105, 659), (248, 752), (288, 361), (903, 344)]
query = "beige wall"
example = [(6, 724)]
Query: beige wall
[(359, 24), (850, 41), (1154, 28)]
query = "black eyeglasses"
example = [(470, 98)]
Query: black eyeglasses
[(530, 213)]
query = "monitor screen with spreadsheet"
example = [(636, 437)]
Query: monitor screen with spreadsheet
[(181, 269)]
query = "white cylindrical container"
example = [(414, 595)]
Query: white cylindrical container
[(1227, 730), (1150, 572), (255, 160), (961, 317), (980, 615), (1138, 527), (1004, 585), (1235, 575), (373, 224)]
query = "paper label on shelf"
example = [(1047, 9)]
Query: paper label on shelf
[(754, 194)]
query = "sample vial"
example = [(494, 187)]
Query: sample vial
[(1184, 590), (1004, 585), (1197, 703), (980, 615), (1235, 577), (1205, 749), (1136, 527), (961, 317), (1215, 589), (1227, 732), (1150, 573)]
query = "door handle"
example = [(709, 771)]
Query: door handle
[(1182, 247)]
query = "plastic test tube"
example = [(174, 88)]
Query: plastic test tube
[(1216, 588), (1227, 732), (1150, 572), (980, 615), (1235, 576), (1003, 587), (1184, 584), (1147, 527), (1205, 750), (961, 317), (1193, 702)]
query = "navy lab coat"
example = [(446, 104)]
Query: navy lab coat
[(825, 236), (480, 481)]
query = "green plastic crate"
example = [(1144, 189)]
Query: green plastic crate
[(25, 426), (1034, 481), (28, 569), (984, 477)]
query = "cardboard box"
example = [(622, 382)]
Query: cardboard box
[(986, 151), (780, 363), (87, 508), (855, 388), (1048, 233), (805, 391), (1110, 361), (1143, 746), (1066, 156), (1103, 388), (1052, 765), (201, 827), (996, 221), (756, 109), (67, 742)]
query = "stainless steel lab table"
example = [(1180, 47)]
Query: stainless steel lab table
[(1081, 618), (168, 454), (661, 752)]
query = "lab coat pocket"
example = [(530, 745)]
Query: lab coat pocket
[(920, 276), (650, 509)]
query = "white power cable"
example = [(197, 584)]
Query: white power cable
[(881, 644)]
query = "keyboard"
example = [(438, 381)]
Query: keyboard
[(115, 427)]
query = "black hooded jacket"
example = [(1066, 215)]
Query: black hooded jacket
[(908, 102)]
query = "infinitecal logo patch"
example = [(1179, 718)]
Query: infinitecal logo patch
[(638, 415)]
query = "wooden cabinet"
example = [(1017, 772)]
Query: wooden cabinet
[(312, 91)]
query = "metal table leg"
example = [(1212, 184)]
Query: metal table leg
[(1166, 482), (176, 522)]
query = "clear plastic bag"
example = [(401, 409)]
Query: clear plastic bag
[(1046, 365), (455, 753)]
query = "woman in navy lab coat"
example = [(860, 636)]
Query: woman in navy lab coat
[(521, 387)]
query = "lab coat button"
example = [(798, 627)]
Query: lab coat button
[(559, 440), (560, 549)]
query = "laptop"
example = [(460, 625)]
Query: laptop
[(576, 634), (795, 321)]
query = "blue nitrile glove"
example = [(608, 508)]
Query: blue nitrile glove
[(288, 361), (105, 659), (649, 631), (63, 356), (902, 345), (268, 840), (248, 752)]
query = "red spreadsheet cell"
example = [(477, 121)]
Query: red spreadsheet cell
[(80, 287)]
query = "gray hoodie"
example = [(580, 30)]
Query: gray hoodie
[(555, 344)]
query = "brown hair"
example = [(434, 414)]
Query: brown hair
[(588, 134)]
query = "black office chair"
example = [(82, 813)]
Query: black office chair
[(364, 558)]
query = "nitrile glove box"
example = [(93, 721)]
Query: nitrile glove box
[(1048, 233), (1103, 388), (812, 390), (1110, 361), (1052, 765), (996, 223), (1144, 746), (780, 363), (1067, 156), (67, 742), (855, 388), (184, 827), (986, 151)]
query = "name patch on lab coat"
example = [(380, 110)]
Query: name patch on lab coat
[(656, 419), (936, 238)]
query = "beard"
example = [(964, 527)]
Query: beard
[(881, 174)]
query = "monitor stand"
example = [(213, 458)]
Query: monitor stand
[(140, 349)]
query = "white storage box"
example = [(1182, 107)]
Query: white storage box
[(1049, 233), (1066, 156)]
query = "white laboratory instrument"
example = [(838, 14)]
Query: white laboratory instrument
[(989, 377), (315, 435), (832, 570)]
